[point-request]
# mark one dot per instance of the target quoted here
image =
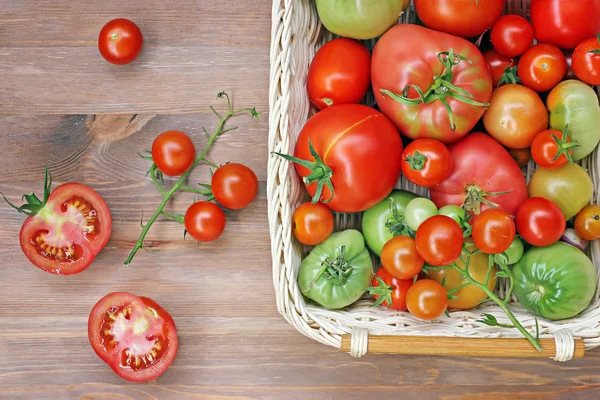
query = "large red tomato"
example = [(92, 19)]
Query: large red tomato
[(465, 18), (586, 61), (409, 59), (565, 23), (355, 158), (483, 174)]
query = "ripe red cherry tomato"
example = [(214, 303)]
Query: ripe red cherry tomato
[(389, 291), (427, 299), (587, 223), (120, 41), (234, 186), (400, 258), (204, 221), (542, 67), (426, 162), (312, 223), (512, 35), (503, 68), (551, 149), (540, 222), (173, 152), (586, 61), (439, 240), (493, 231)]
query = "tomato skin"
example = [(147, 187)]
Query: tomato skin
[(439, 240), (545, 148), (512, 35), (399, 288), (120, 41), (497, 63), (426, 162), (586, 65), (587, 223), (340, 73), (173, 152), (542, 67), (521, 156), (464, 18), (234, 186), (540, 222), (204, 221), (427, 299), (569, 57), (400, 258), (564, 23), (493, 231), (312, 223)]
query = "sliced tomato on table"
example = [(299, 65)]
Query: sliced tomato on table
[(134, 335)]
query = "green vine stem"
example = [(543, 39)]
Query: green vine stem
[(179, 185)]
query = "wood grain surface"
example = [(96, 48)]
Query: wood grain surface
[(233, 344)]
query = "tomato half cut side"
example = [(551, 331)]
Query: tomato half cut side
[(134, 335), (68, 232)]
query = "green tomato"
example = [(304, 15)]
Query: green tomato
[(338, 271), (375, 218), (455, 212), (575, 104), (514, 253), (555, 282), (417, 211), (360, 19)]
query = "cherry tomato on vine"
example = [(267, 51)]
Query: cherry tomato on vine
[(389, 291), (586, 61), (503, 68), (521, 156), (542, 67), (455, 212), (587, 223), (551, 149), (417, 211), (512, 35), (400, 258), (426, 162), (173, 152), (312, 223), (120, 41), (204, 221), (439, 240), (234, 186), (540, 222), (427, 299), (493, 231)]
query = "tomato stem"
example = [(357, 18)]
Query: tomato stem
[(510, 76)]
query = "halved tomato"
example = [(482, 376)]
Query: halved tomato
[(134, 335)]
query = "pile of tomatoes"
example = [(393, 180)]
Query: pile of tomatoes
[(460, 118)]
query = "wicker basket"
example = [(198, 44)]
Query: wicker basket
[(296, 35)]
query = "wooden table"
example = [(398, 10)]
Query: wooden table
[(233, 344)]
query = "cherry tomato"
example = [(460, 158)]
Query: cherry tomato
[(312, 223), (521, 156), (390, 291), (234, 185), (400, 258), (173, 152), (586, 61), (503, 68), (455, 212), (512, 35), (542, 67), (551, 149), (493, 231), (540, 222), (426, 162), (340, 73), (204, 221), (134, 335), (587, 223), (570, 73), (439, 240), (417, 211), (120, 41), (427, 299)]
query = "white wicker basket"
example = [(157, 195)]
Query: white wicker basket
[(296, 35)]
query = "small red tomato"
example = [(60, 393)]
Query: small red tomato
[(503, 68), (551, 149), (173, 152), (540, 222), (204, 221), (426, 162), (427, 299), (570, 73), (512, 35), (493, 231), (390, 291), (542, 67), (586, 61), (587, 223), (312, 223), (120, 41), (234, 186), (400, 258), (521, 156), (439, 240)]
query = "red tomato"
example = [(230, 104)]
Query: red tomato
[(312, 223), (173, 153), (493, 231), (234, 185), (586, 61), (426, 162), (406, 58), (400, 258), (542, 67), (521, 156), (565, 23), (340, 73), (427, 299), (569, 57), (587, 223), (540, 222), (390, 291), (120, 41), (134, 335), (502, 68), (512, 35), (357, 157), (483, 173), (204, 221), (551, 149), (465, 18), (439, 240)]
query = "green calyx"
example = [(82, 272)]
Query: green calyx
[(416, 161), (441, 89), (596, 51), (475, 197), (396, 224), (383, 292), (336, 269), (563, 146), (33, 204), (509, 77)]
